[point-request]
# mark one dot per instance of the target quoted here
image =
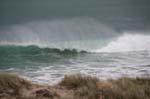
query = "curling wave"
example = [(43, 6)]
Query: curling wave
[(33, 54), (82, 33)]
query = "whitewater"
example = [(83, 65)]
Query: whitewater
[(127, 55), (44, 51), (81, 33), (128, 42)]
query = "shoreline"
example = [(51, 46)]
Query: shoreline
[(76, 86)]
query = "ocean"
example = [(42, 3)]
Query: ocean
[(44, 40)]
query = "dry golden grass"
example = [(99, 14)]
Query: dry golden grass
[(85, 87), (79, 86), (12, 83), (127, 88), (77, 80)]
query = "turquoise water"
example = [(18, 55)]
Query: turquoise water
[(42, 40), (47, 65)]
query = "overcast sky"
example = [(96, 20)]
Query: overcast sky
[(132, 15)]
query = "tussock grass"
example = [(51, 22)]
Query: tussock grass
[(15, 87), (77, 80), (85, 86), (127, 88), (80, 86), (12, 84)]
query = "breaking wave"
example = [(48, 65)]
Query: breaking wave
[(81, 33), (14, 55), (127, 42)]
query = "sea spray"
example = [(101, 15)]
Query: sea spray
[(82, 33), (127, 42)]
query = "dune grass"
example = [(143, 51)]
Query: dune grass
[(85, 86), (12, 84), (127, 88), (82, 87)]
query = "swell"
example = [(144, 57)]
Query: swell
[(82, 33), (12, 54)]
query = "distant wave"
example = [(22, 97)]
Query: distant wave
[(82, 33), (13, 54), (127, 42), (34, 50)]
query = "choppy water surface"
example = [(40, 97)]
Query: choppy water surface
[(50, 68), (114, 33)]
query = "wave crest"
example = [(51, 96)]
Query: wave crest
[(11, 54), (127, 42)]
